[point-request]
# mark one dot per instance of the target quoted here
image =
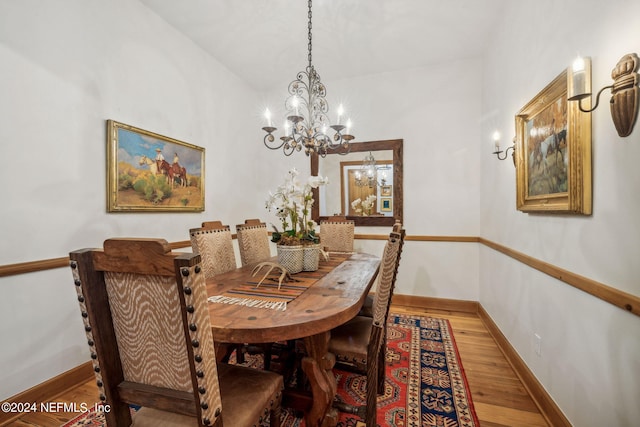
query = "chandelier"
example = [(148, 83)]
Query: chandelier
[(307, 124), (369, 172)]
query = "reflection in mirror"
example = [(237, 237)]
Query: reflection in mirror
[(365, 185)]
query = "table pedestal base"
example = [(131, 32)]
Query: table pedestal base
[(317, 366)]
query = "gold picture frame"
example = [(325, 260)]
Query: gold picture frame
[(386, 204), (140, 179), (553, 152)]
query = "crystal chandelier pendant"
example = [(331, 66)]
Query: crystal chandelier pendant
[(307, 124), (370, 174)]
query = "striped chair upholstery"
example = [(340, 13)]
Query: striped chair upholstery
[(146, 320), (359, 343), (213, 241), (253, 241), (367, 308), (336, 234)]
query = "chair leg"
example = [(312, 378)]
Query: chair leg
[(267, 356), (239, 353), (381, 368), (372, 397), (274, 416)]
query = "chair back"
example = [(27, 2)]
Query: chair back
[(388, 273), (397, 228), (376, 348), (336, 234), (253, 241), (213, 241), (147, 324)]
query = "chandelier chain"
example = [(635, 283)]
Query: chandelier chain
[(309, 34)]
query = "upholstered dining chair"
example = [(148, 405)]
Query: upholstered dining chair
[(253, 241), (359, 343), (146, 319), (367, 307), (336, 234), (213, 241)]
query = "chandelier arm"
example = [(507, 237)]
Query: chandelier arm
[(307, 110), (347, 149), (269, 139)]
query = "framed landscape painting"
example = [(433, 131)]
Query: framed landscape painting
[(553, 153), (148, 172)]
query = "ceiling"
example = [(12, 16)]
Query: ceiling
[(265, 41)]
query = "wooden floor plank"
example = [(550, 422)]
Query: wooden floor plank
[(499, 397)]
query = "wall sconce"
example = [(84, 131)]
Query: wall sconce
[(498, 152), (624, 90)]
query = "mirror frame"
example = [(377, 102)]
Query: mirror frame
[(394, 145)]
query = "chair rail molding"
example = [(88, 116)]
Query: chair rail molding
[(621, 299)]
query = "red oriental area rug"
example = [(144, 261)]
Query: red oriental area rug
[(425, 383)]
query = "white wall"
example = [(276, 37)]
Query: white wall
[(424, 107), (65, 68), (68, 67), (589, 362)]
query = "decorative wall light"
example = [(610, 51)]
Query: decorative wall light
[(307, 124), (370, 172), (498, 152), (624, 90)]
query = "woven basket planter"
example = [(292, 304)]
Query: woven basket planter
[(311, 257), (291, 258)]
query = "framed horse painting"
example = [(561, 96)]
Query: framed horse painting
[(553, 153), (151, 172)]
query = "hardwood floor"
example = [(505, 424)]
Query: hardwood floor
[(498, 396), (500, 399)]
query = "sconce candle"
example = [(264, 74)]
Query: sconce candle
[(578, 88), (496, 141), (498, 152), (625, 93)]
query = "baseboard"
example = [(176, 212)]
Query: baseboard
[(460, 306), (550, 411), (47, 390), (548, 408)]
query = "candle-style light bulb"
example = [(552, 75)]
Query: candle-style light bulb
[(340, 113), (348, 126), (295, 103), (267, 114), (496, 140), (578, 87)]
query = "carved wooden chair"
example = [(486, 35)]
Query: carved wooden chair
[(146, 319), (213, 241), (336, 234), (253, 241), (367, 307), (359, 344)]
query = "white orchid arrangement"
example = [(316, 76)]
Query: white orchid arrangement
[(292, 202), (364, 207)]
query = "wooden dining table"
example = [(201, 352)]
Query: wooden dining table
[(332, 300)]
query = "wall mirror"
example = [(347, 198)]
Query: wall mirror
[(344, 172)]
